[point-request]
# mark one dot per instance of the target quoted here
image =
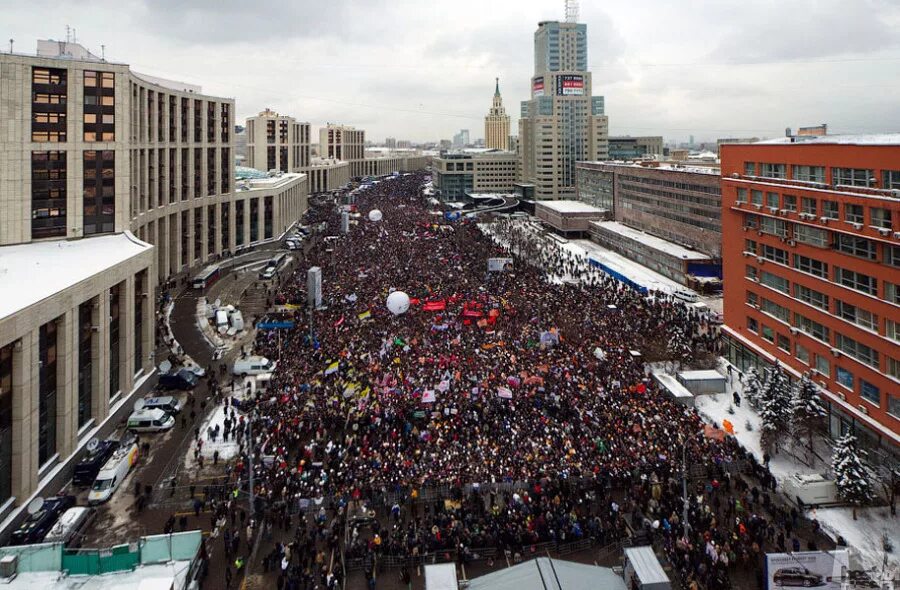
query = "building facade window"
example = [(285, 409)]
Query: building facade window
[(813, 236), (790, 203), (774, 254), (808, 206), (99, 106), (753, 325), (139, 287), (114, 344), (811, 296), (811, 266), (852, 176), (857, 350), (49, 87), (48, 194), (856, 281), (778, 311), (881, 217), (750, 168), (854, 213), (85, 361), (99, 190), (773, 171), (844, 377), (772, 200), (802, 353), (823, 365), (856, 246), (47, 342), (891, 180), (811, 327), (808, 173), (774, 281), (830, 209), (869, 392), (6, 386), (856, 315)]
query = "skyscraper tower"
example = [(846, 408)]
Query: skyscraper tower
[(496, 124), (562, 123)]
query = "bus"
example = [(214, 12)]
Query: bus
[(207, 277)]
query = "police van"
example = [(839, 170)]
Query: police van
[(68, 529), (154, 420), (167, 403), (113, 473)]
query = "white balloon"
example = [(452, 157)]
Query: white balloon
[(398, 302), (375, 215)]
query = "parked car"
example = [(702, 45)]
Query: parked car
[(797, 576), (688, 296), (67, 529), (267, 273), (39, 524), (114, 471), (167, 403), (86, 470), (252, 365), (150, 421), (183, 379)]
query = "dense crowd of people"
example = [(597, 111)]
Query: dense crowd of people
[(511, 399)]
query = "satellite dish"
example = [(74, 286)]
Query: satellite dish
[(138, 404), (92, 445), (35, 505), (165, 367)]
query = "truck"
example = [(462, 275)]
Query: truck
[(114, 471)]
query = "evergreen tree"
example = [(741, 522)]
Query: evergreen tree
[(808, 410), (774, 405), (851, 474), (752, 387)]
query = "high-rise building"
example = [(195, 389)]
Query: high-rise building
[(341, 142), (496, 124), (277, 142), (461, 139), (635, 148), (473, 171), (562, 123), (112, 182), (812, 270), (390, 142)]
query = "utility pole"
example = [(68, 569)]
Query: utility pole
[(250, 447), (684, 490)]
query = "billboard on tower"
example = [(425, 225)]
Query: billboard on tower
[(570, 85), (537, 86)]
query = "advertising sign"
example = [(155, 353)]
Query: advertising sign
[(499, 264), (807, 569), (537, 86), (570, 85), (314, 287)]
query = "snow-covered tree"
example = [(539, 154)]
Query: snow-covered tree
[(752, 387), (851, 473), (807, 409), (774, 405)]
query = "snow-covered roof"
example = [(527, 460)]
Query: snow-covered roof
[(652, 241), (566, 206), (700, 375), (163, 576), (567, 575), (870, 139), (667, 166), (30, 273)]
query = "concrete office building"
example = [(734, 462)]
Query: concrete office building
[(496, 124), (461, 139), (93, 155), (340, 142), (327, 175), (681, 204), (382, 165), (812, 270), (636, 148), (459, 174), (277, 142), (562, 123)]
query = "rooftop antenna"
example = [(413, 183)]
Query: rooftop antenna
[(571, 11), (103, 52), (10, 45), (68, 33)]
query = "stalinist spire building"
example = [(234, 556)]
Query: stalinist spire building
[(496, 124)]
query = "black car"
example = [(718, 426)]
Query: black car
[(86, 469), (39, 524), (797, 576), (184, 379)]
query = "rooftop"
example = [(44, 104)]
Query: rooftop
[(654, 242), (52, 267), (567, 575), (871, 139), (566, 206), (668, 166)]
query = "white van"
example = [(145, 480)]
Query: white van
[(67, 529), (221, 318), (252, 365), (154, 420), (685, 295), (113, 473), (811, 490)]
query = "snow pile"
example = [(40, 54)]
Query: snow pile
[(864, 535), (227, 449)]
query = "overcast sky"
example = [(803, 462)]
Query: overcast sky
[(424, 69)]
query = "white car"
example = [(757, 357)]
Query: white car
[(688, 296), (252, 365)]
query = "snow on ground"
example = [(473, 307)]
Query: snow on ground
[(227, 449), (863, 536), (629, 268)]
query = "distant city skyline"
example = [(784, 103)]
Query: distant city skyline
[(719, 68)]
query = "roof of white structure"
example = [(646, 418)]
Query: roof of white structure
[(565, 206), (30, 273), (163, 576), (870, 139), (673, 166), (566, 575), (654, 242)]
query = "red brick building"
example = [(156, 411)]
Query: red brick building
[(811, 257)]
